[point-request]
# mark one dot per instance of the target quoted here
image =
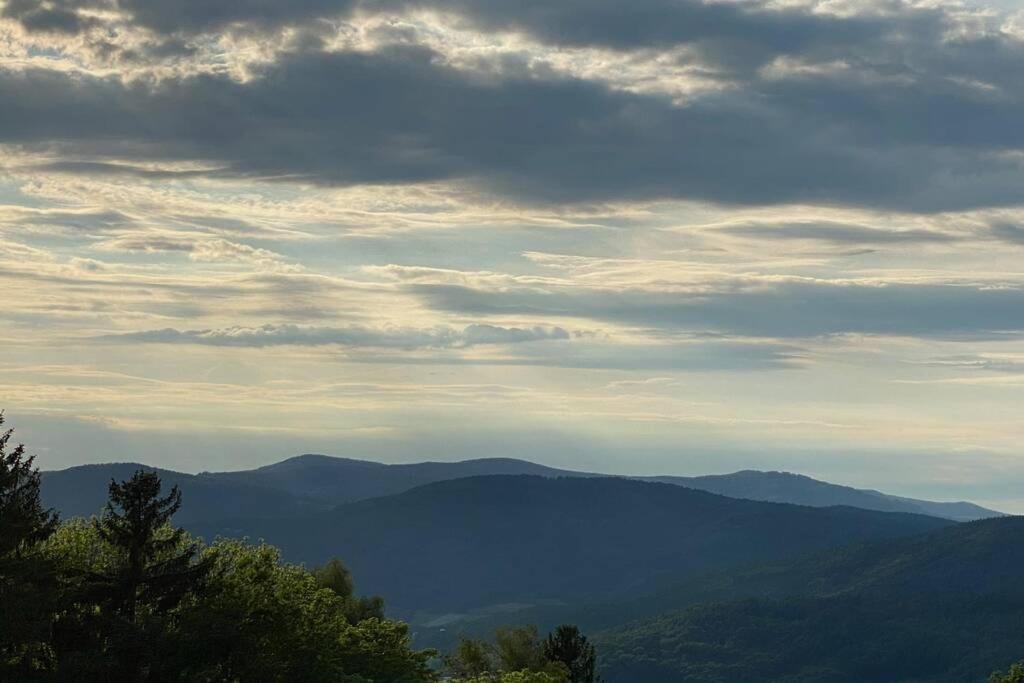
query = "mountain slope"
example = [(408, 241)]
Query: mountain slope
[(784, 487), (850, 639), (942, 606), (341, 480), (82, 491), (481, 541)]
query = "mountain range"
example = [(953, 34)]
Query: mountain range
[(753, 576), (302, 483)]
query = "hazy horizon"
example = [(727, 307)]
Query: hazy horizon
[(656, 238)]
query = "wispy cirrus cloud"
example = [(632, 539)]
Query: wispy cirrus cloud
[(383, 337)]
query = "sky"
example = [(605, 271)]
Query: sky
[(654, 237)]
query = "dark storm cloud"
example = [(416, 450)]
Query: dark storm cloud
[(790, 309), (725, 33), (171, 16), (399, 116)]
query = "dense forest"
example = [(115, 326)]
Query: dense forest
[(127, 596)]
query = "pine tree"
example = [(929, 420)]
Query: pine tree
[(157, 568), (570, 647), (27, 583)]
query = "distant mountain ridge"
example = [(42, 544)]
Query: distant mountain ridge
[(305, 482), (82, 491), (335, 480), (785, 487)]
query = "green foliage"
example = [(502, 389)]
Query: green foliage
[(27, 581), (570, 647), (518, 654), (336, 577), (124, 624), (130, 597), (1015, 674), (471, 659), (264, 620), (519, 648)]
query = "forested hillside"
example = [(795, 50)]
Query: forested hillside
[(479, 541), (944, 606)]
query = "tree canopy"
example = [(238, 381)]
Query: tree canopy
[(517, 654), (130, 597), (27, 581)]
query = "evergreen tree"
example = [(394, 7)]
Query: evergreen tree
[(156, 566), (27, 584), (157, 569), (570, 647)]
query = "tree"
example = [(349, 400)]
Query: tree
[(519, 648), (472, 658), (27, 582), (336, 577), (155, 567), (516, 655), (1015, 674), (570, 647), (262, 620)]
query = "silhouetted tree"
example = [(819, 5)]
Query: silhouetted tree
[(155, 567), (570, 647), (27, 583)]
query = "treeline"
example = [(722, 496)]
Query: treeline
[(518, 655), (127, 596)]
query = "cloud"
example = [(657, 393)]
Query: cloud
[(730, 33), (1008, 232), (1004, 363), (385, 337), (66, 220), (199, 248), (837, 233), (910, 133), (790, 308), (700, 356)]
